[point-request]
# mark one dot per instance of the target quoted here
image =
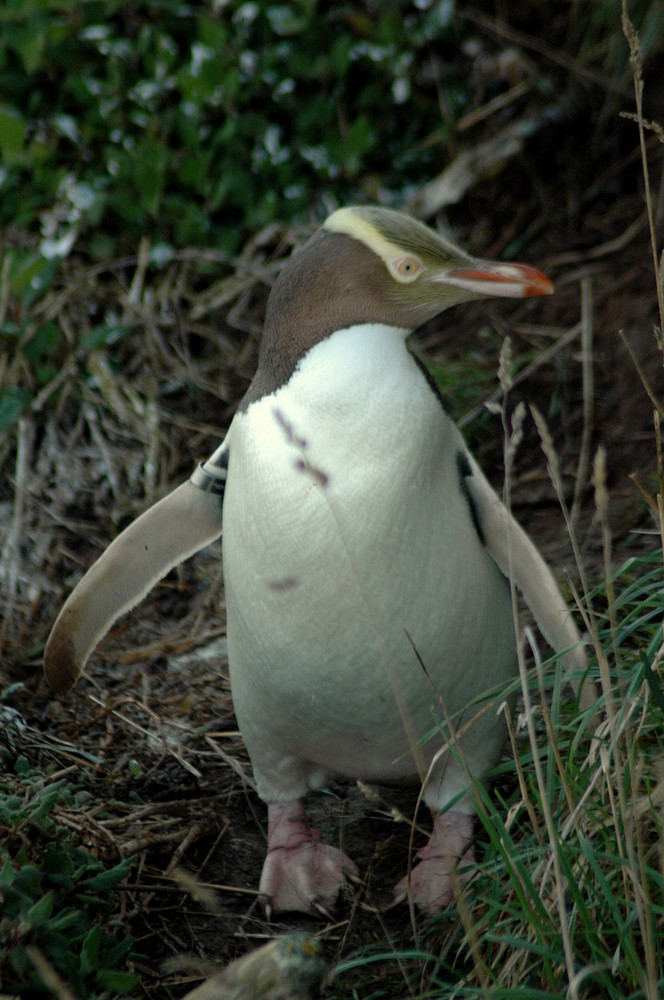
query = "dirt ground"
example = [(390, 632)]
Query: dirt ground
[(150, 728)]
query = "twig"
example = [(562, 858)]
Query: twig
[(5, 289), (65, 373), (97, 437), (232, 763), (138, 281), (11, 552), (637, 73), (489, 109), (174, 863), (588, 392), (605, 249), (474, 163), (659, 408)]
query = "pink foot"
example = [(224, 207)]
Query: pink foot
[(432, 880), (299, 872)]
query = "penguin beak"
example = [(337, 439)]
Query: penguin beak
[(484, 277)]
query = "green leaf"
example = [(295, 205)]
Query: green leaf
[(39, 912), (12, 807), (654, 681), (212, 32), (359, 140), (65, 125), (285, 21), (107, 879), (10, 691), (30, 276), (22, 766), (20, 961), (46, 801), (13, 130), (30, 44), (103, 336), (7, 875), (117, 982), (28, 880), (90, 902), (150, 168), (90, 950), (42, 343), (65, 920)]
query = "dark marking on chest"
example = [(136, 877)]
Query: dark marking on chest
[(465, 472)]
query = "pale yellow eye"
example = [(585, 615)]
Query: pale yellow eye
[(406, 268)]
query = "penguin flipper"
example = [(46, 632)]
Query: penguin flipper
[(518, 559), (173, 529)]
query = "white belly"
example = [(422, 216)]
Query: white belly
[(351, 564)]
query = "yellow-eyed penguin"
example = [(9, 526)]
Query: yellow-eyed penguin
[(366, 557)]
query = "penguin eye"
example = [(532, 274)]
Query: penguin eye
[(406, 268)]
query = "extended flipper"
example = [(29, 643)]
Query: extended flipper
[(168, 533), (518, 558)]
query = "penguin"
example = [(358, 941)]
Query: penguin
[(368, 563)]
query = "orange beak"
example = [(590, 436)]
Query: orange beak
[(484, 277)]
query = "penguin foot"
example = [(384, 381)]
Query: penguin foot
[(432, 882), (299, 872)]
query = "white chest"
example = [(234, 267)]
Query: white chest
[(349, 463), (347, 542)]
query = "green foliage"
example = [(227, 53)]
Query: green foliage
[(196, 126), (54, 896), (191, 125)]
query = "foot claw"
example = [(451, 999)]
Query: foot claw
[(322, 910), (300, 873), (400, 894), (433, 881), (307, 878)]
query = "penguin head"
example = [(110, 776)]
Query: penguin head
[(426, 273), (374, 265)]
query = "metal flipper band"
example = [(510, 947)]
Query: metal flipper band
[(203, 480)]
